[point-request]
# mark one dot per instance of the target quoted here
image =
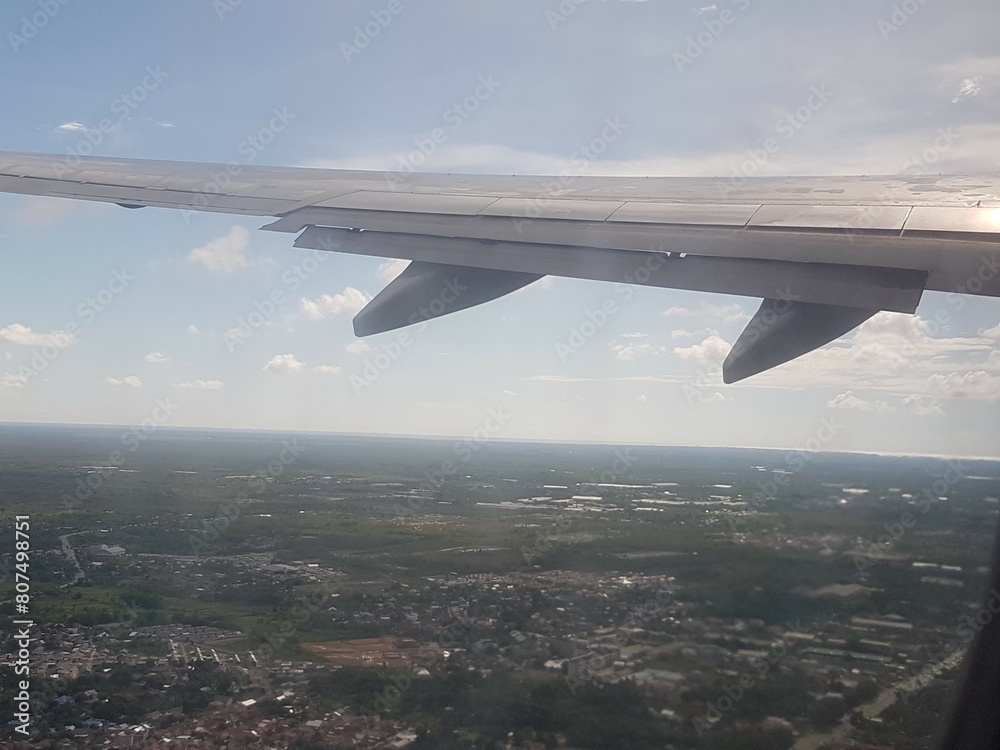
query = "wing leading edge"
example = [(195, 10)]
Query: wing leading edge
[(825, 254)]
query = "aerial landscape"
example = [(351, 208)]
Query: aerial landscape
[(500, 375), (227, 589)]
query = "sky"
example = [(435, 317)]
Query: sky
[(110, 316)]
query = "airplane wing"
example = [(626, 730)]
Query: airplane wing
[(824, 253)]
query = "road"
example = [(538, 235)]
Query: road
[(67, 549), (874, 707)]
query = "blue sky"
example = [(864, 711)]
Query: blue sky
[(115, 316)]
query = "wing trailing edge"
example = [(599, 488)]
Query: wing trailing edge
[(895, 289)]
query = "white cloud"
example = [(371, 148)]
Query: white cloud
[(896, 342), (712, 351), (390, 269), (72, 127), (707, 397), (156, 358), (893, 326), (970, 87), (200, 385), (975, 385), (922, 405), (22, 335), (723, 313), (284, 364), (10, 380), (630, 379), (848, 401), (992, 333), (193, 330), (226, 254), (628, 351), (328, 370), (349, 301), (560, 379), (358, 346), (129, 381), (681, 333)]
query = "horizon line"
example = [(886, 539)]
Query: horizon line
[(466, 438)]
